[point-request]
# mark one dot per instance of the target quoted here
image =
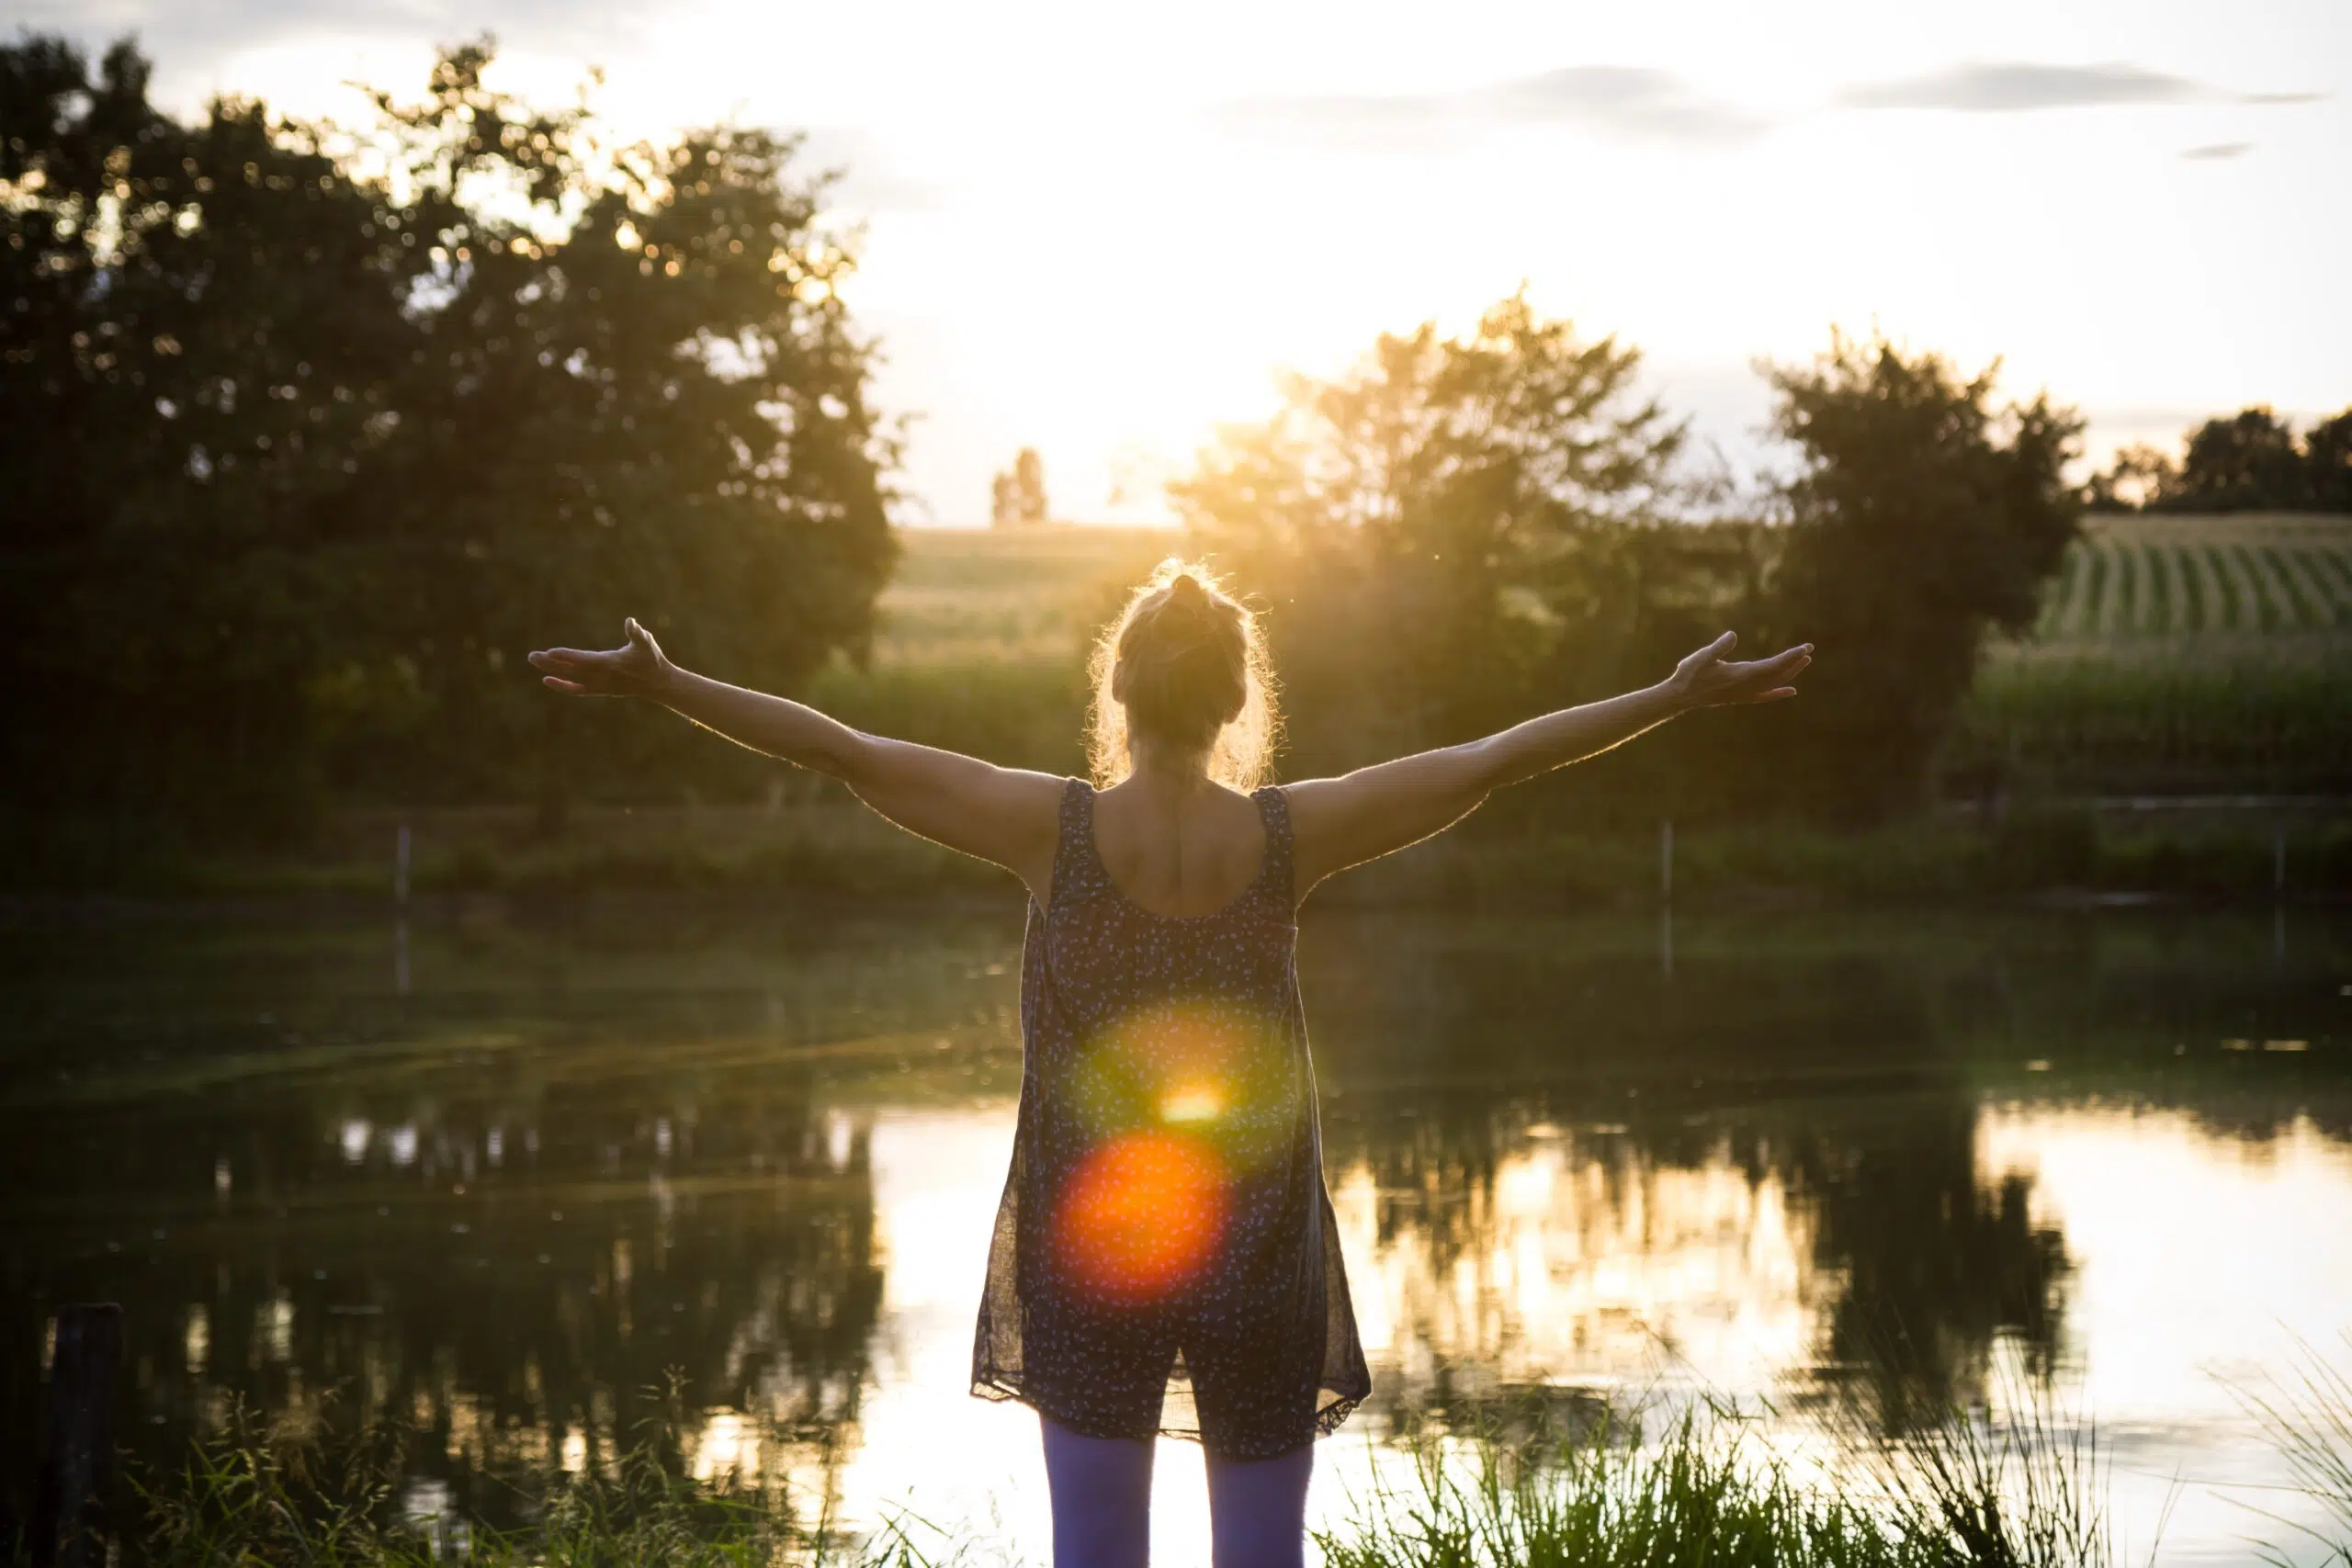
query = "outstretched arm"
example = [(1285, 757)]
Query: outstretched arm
[(1369, 813), (1005, 815)]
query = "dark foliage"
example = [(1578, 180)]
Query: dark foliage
[(1455, 533), (1462, 532), (2250, 461), (310, 431), (1922, 518)]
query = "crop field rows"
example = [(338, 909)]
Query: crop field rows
[(2168, 577), (2180, 654)]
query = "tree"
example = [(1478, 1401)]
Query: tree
[(2247, 462), (1922, 516), (2251, 461), (2327, 463), (312, 429), (1018, 496), (1435, 532), (2139, 476)]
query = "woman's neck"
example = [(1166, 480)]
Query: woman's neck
[(1160, 767)]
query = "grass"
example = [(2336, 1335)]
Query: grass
[(1698, 1487), (2238, 719), (1702, 1491), (2179, 654), (2308, 1418), (247, 1498), (1604, 1487)]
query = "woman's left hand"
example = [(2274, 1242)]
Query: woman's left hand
[(636, 669), (1708, 679)]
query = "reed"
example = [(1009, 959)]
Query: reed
[(2307, 1416)]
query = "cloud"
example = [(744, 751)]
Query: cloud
[(1357, 124), (2215, 151), (1619, 102), (2018, 86), (1623, 101)]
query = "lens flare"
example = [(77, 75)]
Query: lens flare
[(1192, 1102), (1226, 1080), (1141, 1216)]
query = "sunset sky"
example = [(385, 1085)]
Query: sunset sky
[(1099, 229)]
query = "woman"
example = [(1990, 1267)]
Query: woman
[(1165, 1259)]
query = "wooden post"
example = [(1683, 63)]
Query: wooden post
[(77, 1467)]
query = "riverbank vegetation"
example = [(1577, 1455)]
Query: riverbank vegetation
[(1582, 1482)]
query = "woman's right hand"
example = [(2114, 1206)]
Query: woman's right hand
[(636, 669)]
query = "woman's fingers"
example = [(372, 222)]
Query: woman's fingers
[(560, 658), (558, 683)]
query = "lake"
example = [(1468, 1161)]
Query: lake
[(519, 1183)]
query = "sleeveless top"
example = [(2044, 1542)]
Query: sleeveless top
[(1166, 1189)]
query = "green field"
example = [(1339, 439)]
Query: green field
[(2144, 582), (1025, 595), (2179, 654)]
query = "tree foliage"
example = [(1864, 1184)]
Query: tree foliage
[(1438, 532), (1017, 496), (1922, 516), (311, 430), (2249, 461)]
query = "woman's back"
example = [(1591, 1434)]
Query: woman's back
[(1178, 851)]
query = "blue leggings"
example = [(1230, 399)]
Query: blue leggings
[(1101, 1498)]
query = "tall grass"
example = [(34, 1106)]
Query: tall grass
[(2307, 1416), (1699, 1485), (2025, 1490), (1703, 1492), (246, 1497)]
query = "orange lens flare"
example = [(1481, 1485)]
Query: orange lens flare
[(1141, 1216)]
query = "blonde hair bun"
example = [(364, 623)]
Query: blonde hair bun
[(1196, 675)]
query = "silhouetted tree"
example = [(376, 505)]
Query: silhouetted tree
[(311, 433), (1018, 495), (1437, 532), (2239, 464), (1922, 518), (2327, 463)]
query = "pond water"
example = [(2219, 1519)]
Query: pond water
[(501, 1178)]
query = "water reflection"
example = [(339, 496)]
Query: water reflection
[(506, 1206)]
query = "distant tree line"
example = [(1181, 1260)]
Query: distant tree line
[(309, 431), (2251, 461)]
